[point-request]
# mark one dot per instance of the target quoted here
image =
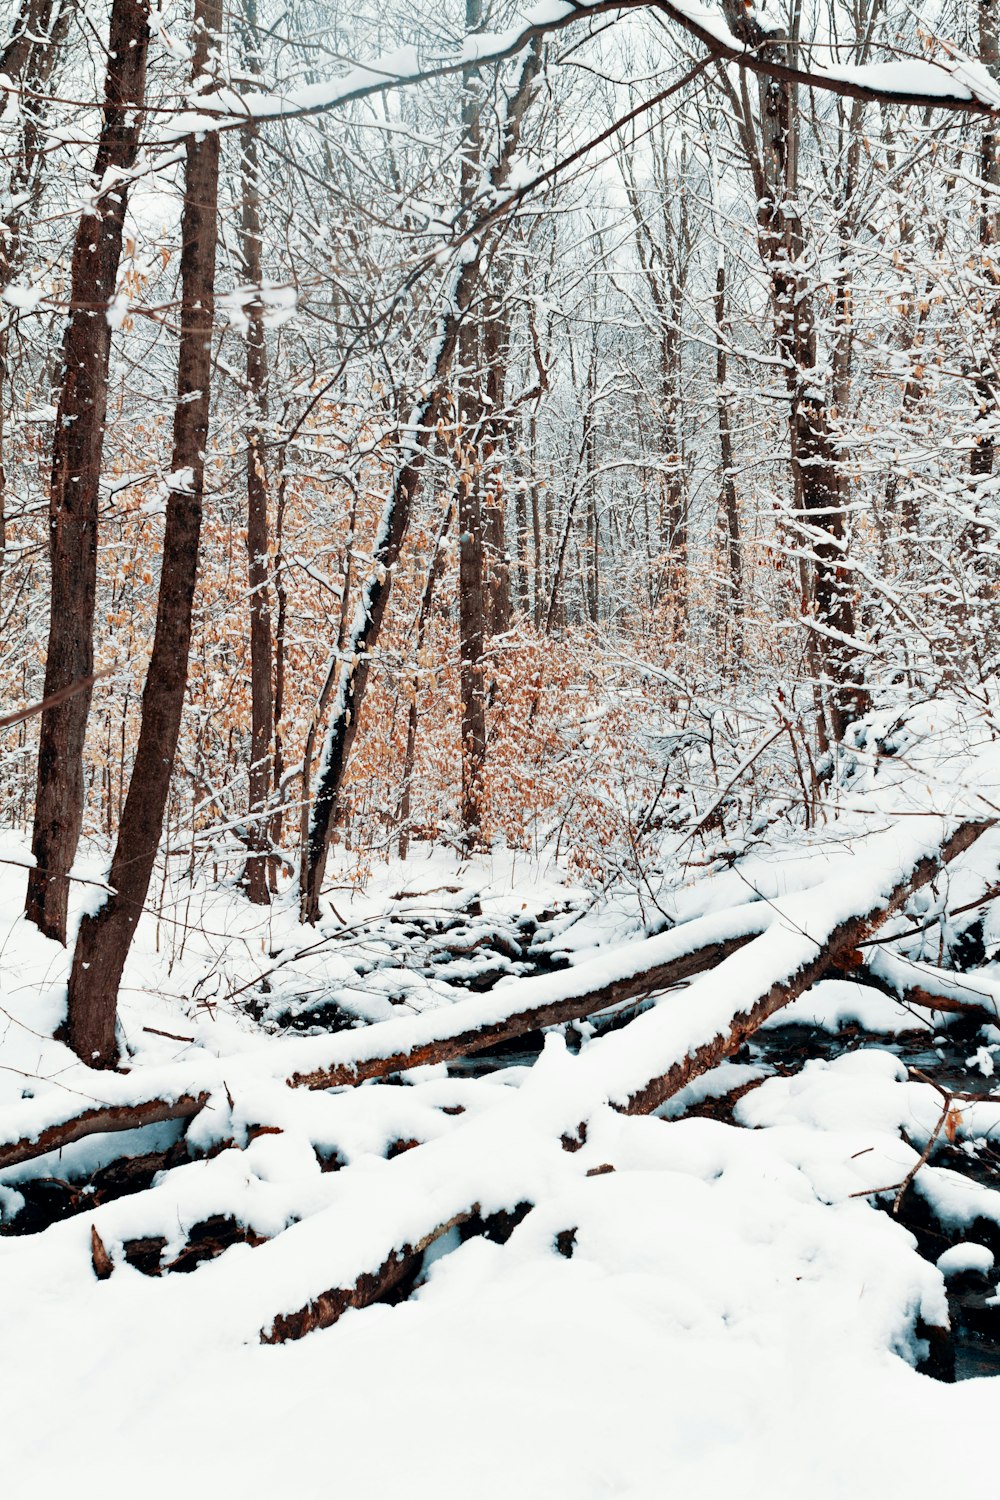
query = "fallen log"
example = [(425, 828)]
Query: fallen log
[(387, 1047), (834, 940), (479, 1021), (534, 1003), (690, 1036), (325, 1309), (930, 988), (97, 1120)]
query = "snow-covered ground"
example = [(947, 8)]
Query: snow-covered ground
[(684, 1301)]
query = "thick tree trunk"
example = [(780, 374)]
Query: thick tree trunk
[(76, 469), (104, 940), (817, 470)]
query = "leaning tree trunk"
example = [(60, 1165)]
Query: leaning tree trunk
[(76, 469), (105, 937), (371, 607)]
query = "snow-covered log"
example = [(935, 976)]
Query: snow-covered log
[(508, 1156), (821, 930), (180, 1090), (96, 1120), (530, 1004), (931, 988)]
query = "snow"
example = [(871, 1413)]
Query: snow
[(965, 1257), (833, 1004), (709, 1293), (953, 80), (684, 1303)]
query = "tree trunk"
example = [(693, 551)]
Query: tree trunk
[(817, 471), (371, 607), (983, 454), (423, 615), (730, 508), (261, 699), (76, 469), (103, 944), (28, 60), (472, 482)]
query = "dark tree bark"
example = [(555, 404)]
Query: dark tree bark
[(817, 470), (423, 615), (664, 259), (730, 506), (76, 469), (104, 940), (984, 453), (261, 696), (28, 59), (371, 607), (472, 482)]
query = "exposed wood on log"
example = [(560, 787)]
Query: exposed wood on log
[(350, 1071), (531, 1018), (103, 1117), (324, 1310), (103, 1264), (839, 951), (913, 983), (841, 940)]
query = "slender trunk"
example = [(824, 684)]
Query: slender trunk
[(472, 642), (280, 632), (497, 576), (261, 699), (76, 469), (730, 508), (472, 481), (29, 60), (105, 937), (537, 533), (984, 453), (426, 599), (371, 607)]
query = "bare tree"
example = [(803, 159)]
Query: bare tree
[(76, 470), (106, 936)]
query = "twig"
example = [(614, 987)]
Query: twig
[(7, 721)]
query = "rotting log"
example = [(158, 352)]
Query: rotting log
[(913, 983), (349, 1071), (909, 980), (840, 951), (104, 1117)]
